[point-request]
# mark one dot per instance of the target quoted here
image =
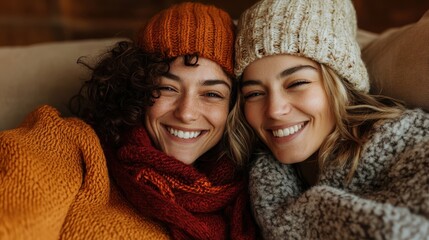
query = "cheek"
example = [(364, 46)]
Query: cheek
[(315, 104), (154, 113), (315, 101), (320, 107), (218, 115), (159, 108), (252, 114)]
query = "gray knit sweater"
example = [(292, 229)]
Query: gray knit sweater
[(388, 197)]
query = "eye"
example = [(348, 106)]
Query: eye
[(167, 88), (213, 95), (298, 83), (250, 95)]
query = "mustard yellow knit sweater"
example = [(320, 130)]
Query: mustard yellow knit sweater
[(54, 184)]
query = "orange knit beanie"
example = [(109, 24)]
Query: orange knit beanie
[(189, 28)]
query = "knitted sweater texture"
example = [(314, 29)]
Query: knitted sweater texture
[(54, 184), (388, 197)]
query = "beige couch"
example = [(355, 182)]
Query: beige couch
[(43, 74), (48, 73)]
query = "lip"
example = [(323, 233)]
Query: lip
[(288, 138)]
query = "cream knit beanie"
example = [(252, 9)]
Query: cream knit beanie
[(322, 30)]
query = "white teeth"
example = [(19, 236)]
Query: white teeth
[(184, 134), (287, 131)]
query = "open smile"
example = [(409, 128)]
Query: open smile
[(183, 134), (284, 132)]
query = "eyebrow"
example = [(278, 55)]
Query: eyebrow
[(292, 70), (209, 82), (284, 73)]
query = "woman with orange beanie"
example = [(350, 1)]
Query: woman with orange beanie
[(158, 106)]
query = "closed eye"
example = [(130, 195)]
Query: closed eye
[(298, 83)]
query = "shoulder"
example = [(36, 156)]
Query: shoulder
[(45, 161), (410, 121), (48, 121), (48, 116), (394, 139), (45, 134), (411, 126)]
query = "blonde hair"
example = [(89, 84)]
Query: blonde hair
[(241, 137), (355, 113)]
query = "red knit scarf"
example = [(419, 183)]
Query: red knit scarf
[(206, 203)]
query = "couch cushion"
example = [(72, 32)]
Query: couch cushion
[(43, 74), (398, 63)]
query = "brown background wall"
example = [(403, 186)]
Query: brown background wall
[(24, 22)]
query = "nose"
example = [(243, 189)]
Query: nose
[(187, 109), (277, 106)]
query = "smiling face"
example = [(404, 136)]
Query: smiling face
[(189, 116), (287, 106)]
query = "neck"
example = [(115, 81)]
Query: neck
[(309, 170)]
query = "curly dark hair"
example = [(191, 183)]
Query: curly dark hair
[(122, 85)]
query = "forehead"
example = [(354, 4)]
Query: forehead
[(203, 73), (273, 65)]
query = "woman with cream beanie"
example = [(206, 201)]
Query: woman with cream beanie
[(331, 160)]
